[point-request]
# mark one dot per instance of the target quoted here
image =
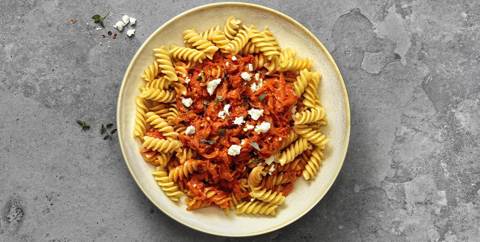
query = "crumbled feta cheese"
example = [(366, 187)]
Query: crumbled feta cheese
[(245, 76), (98, 28), (119, 26), (242, 142), (190, 130), (263, 127), (234, 150), (271, 170), (234, 58), (252, 199), (254, 87), (248, 127), (227, 64), (238, 120), (222, 114), (255, 113), (212, 85), (187, 80), (250, 67), (125, 19), (187, 102), (269, 160), (257, 76), (130, 32), (133, 21)]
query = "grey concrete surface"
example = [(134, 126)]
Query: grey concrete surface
[(412, 172)]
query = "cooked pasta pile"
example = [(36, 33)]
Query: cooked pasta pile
[(231, 119)]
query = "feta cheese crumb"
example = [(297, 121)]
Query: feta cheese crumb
[(125, 19), (234, 150), (254, 87), (252, 199), (119, 26), (271, 170), (187, 80), (222, 114), (133, 21), (257, 76), (239, 120), (130, 32), (98, 28), (190, 130), (263, 127), (234, 58), (250, 67), (269, 160), (212, 85), (242, 142), (187, 102), (248, 127), (245, 76), (255, 114)]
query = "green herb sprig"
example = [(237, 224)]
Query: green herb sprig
[(107, 131), (98, 19), (83, 125)]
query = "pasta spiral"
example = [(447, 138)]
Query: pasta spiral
[(313, 164), (250, 48), (160, 83), (217, 197), (161, 145), (151, 72), (181, 69), (187, 54), (164, 61), (238, 42), (184, 170), (259, 62), (184, 154), (197, 203), (309, 116), (292, 151), (256, 208), (208, 34), (201, 44), (255, 177), (161, 125), (267, 45), (268, 196), (292, 136), (158, 95), (303, 79), (220, 40), (139, 129), (289, 62), (310, 97), (231, 27), (168, 187), (270, 182), (313, 136)]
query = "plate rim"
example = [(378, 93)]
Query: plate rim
[(330, 59)]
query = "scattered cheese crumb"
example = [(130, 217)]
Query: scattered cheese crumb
[(257, 76), (269, 160), (271, 170), (187, 80), (234, 150), (222, 114), (227, 64), (234, 58), (190, 130), (125, 19), (245, 76), (119, 26), (263, 127), (212, 85), (250, 67), (130, 32), (133, 21), (239, 120), (248, 127), (98, 28), (187, 102), (242, 142), (255, 113), (252, 199), (254, 87)]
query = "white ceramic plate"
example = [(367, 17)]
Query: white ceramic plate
[(333, 94)]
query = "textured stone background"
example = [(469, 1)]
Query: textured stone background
[(412, 172)]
